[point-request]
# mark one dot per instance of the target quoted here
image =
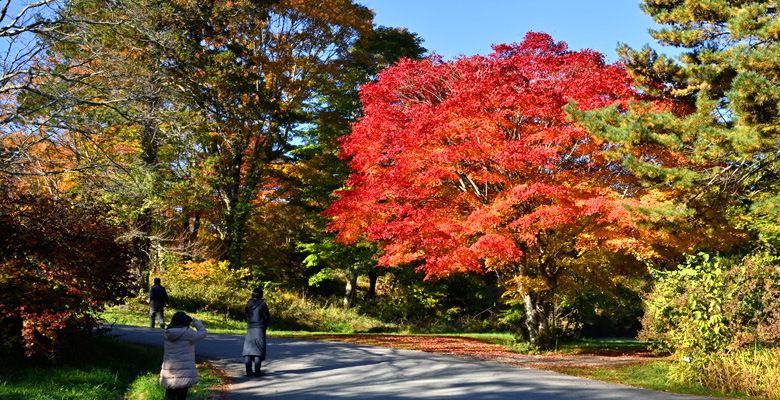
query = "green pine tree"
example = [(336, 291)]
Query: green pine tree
[(722, 129)]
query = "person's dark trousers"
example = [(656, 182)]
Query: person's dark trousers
[(176, 394), (248, 361), (156, 313)]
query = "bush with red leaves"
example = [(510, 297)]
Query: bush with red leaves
[(59, 264)]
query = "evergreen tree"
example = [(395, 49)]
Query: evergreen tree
[(724, 130), (321, 171)]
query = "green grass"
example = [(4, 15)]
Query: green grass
[(287, 317), (603, 347), (106, 370), (649, 375), (138, 315), (147, 386)]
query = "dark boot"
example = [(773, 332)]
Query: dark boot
[(257, 368)]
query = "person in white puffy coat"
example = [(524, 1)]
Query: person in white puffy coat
[(178, 368)]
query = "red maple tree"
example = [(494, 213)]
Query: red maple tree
[(60, 264), (473, 164)]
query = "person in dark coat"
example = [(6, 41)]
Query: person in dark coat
[(257, 317), (158, 300)]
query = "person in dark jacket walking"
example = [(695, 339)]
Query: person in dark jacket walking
[(257, 317), (158, 300)]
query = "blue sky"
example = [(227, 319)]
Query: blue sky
[(454, 27)]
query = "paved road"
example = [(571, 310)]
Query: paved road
[(319, 370)]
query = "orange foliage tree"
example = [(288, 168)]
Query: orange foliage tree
[(473, 165), (193, 105), (251, 69)]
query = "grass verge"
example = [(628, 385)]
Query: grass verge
[(107, 370), (137, 315), (649, 375), (288, 315)]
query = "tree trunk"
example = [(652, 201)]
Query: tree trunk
[(235, 244), (351, 288), (537, 317), (372, 278), (141, 247), (236, 218), (150, 145), (538, 306)]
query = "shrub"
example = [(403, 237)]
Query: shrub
[(753, 308), (684, 312), (720, 318), (209, 286), (294, 312), (213, 286), (60, 264), (712, 304)]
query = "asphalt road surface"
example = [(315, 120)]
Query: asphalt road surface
[(320, 370)]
